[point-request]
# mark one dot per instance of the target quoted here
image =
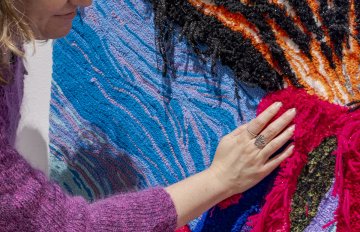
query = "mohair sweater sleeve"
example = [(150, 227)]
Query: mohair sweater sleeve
[(29, 202)]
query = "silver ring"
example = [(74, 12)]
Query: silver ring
[(260, 141), (251, 133)]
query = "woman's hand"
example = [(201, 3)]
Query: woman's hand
[(243, 158)]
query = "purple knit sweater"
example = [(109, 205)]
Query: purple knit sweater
[(30, 202)]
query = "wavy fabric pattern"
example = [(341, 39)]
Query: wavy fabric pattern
[(114, 126), (304, 43), (271, 43), (117, 125), (316, 120)]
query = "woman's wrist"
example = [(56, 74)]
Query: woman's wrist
[(219, 183), (196, 194)]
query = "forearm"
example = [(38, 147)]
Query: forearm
[(29, 202), (196, 194)]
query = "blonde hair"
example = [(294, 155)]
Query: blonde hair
[(14, 32)]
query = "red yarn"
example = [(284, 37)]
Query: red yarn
[(230, 201), (184, 229), (315, 120), (348, 186), (233, 200), (327, 225)]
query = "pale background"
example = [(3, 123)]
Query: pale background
[(33, 133)]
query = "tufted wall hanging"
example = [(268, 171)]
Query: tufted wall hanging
[(143, 91)]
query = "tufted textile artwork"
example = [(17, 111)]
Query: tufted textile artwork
[(304, 43), (115, 125), (143, 91)]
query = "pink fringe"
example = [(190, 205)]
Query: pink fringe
[(327, 225), (348, 173), (315, 121)]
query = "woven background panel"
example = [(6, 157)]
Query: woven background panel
[(118, 125), (113, 127)]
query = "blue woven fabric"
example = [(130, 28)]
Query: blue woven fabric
[(234, 217), (114, 126)]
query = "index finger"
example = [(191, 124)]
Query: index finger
[(256, 125)]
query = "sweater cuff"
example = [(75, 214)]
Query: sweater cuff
[(148, 210)]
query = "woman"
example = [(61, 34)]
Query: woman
[(29, 202)]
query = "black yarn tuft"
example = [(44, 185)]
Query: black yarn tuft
[(210, 39), (357, 18), (221, 43), (336, 20), (307, 17), (355, 105), (303, 10), (255, 15), (327, 51)]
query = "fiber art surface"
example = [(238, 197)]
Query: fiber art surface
[(114, 126), (309, 43), (273, 44), (316, 121), (117, 124)]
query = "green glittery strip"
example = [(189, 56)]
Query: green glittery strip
[(314, 182)]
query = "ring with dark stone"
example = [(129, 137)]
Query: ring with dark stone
[(260, 141)]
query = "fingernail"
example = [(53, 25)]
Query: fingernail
[(292, 128), (278, 104), (291, 111), (291, 148)]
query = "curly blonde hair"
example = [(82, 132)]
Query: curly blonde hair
[(14, 32)]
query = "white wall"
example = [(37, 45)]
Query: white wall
[(33, 132)]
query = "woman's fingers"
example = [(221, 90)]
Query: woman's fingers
[(272, 130), (258, 124), (241, 161), (237, 131), (275, 144), (275, 162)]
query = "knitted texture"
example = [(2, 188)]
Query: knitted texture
[(12, 95), (324, 219), (114, 124), (313, 184), (306, 43), (29, 202), (126, 117), (315, 121), (273, 44)]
